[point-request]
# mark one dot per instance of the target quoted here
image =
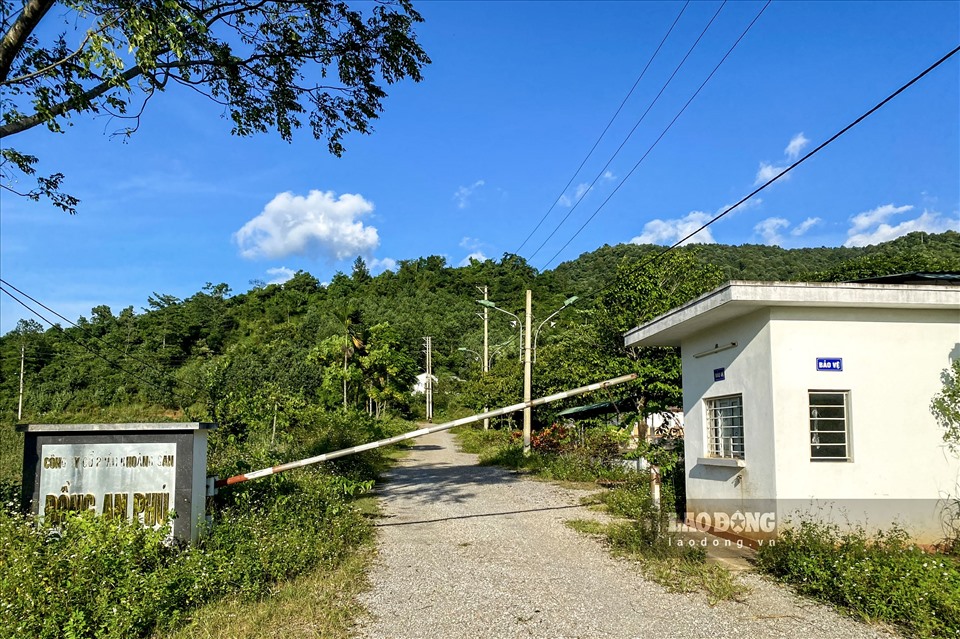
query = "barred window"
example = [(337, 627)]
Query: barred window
[(725, 426), (829, 426)]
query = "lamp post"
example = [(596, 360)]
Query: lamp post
[(528, 348), (486, 347), (566, 303), (489, 304), (470, 350)]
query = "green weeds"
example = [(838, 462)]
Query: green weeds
[(878, 578), (94, 577)]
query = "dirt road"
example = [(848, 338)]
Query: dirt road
[(471, 551)]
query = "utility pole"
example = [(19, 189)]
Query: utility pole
[(527, 359), (20, 402), (486, 349), (527, 377), (428, 382)]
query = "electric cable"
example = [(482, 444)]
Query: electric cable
[(88, 334), (632, 131), (82, 345), (607, 128), (652, 256), (662, 134)]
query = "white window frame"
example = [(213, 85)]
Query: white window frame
[(724, 419), (822, 429)]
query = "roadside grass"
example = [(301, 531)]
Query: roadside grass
[(11, 454), (878, 578), (579, 464), (320, 603), (639, 531), (285, 552)]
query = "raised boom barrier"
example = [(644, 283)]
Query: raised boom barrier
[(257, 474)]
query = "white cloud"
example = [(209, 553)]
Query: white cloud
[(464, 193), (769, 229), (873, 217), (609, 176), (476, 255), (752, 203), (319, 225), (871, 227), (578, 192), (381, 265), (805, 226), (669, 231), (470, 243), (280, 274), (797, 144), (767, 172)]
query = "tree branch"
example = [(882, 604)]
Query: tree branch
[(16, 37), (27, 123)]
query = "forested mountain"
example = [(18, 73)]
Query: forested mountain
[(358, 341)]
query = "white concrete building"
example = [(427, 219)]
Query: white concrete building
[(420, 386), (814, 397)]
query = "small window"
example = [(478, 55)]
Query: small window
[(829, 424), (725, 426)]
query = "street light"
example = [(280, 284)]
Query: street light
[(536, 334), (527, 359), (470, 350), (490, 304)]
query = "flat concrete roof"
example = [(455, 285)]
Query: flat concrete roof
[(737, 298)]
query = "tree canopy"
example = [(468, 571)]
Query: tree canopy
[(357, 342), (270, 66)]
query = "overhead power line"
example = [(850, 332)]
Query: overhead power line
[(632, 131), (607, 128), (144, 363), (652, 256), (79, 343), (662, 134)]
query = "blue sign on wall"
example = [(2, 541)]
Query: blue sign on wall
[(829, 363), (718, 374)]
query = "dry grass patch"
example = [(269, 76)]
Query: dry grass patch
[(321, 603)]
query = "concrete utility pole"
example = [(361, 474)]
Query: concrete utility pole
[(428, 382), (486, 349), (20, 402), (527, 377)]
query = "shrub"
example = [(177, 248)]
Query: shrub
[(551, 440), (94, 577), (881, 577)]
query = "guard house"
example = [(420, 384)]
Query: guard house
[(814, 398)]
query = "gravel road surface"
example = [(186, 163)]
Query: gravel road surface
[(471, 551)]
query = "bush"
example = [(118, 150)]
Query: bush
[(94, 577), (880, 578)]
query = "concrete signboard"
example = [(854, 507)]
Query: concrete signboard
[(136, 472)]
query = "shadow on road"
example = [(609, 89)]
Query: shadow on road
[(500, 514), (442, 482)]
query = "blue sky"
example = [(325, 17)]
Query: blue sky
[(467, 162)]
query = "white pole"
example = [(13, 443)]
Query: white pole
[(527, 378), (486, 350), (20, 402)]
